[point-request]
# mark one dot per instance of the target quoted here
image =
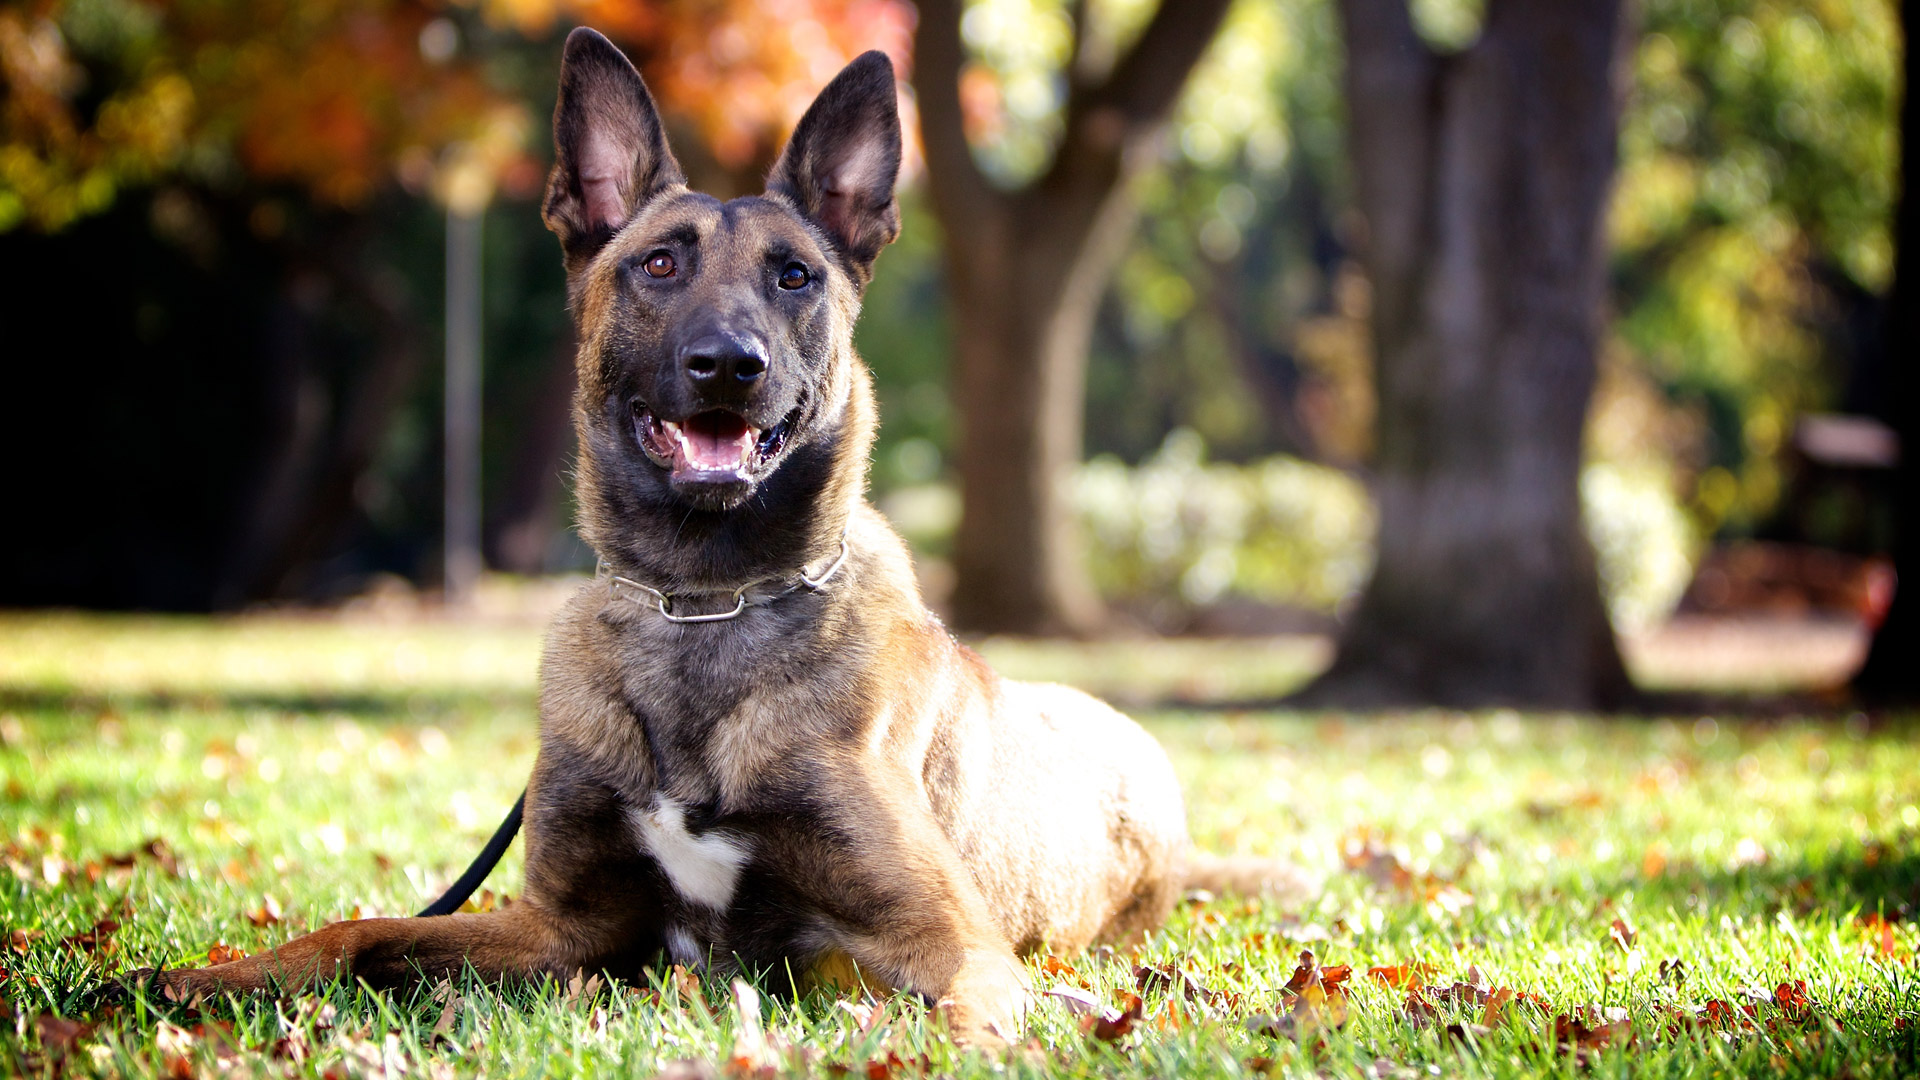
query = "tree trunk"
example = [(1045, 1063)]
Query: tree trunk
[(1892, 671), (1483, 179), (1025, 272), (526, 515)]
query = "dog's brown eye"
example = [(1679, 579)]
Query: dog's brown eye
[(660, 264), (794, 276)]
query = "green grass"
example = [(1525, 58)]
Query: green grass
[(339, 766)]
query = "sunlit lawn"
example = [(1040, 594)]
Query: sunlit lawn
[(318, 767)]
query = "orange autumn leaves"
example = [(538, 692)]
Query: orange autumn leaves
[(741, 76), (340, 98)]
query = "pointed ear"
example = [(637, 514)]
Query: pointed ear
[(609, 149), (841, 164)]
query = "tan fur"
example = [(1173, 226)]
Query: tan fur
[(909, 818)]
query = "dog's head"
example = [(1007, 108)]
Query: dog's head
[(716, 365)]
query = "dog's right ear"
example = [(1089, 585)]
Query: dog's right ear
[(609, 148)]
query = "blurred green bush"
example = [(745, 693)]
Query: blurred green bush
[(1180, 532)]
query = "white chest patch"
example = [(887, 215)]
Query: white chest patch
[(703, 869)]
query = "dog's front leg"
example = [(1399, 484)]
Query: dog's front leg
[(908, 911), (517, 940), (587, 905)]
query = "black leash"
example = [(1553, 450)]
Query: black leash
[(483, 864)]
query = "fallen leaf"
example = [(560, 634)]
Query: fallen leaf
[(1408, 976), (683, 982), (58, 1034), (1882, 940), (1113, 1025), (1079, 1002), (1496, 1006), (1589, 1030), (866, 1017), (1316, 1001), (1053, 965), (443, 1026), (1792, 1000), (223, 953), (885, 1068), (267, 914), (1177, 984), (582, 988), (98, 941), (753, 1054), (1622, 933), (1364, 851)]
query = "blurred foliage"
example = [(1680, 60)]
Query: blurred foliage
[(1752, 222), (1178, 532), (1279, 530), (106, 94), (1750, 230), (342, 96)]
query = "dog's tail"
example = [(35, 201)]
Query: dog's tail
[(1250, 875)]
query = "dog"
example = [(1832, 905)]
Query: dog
[(759, 751)]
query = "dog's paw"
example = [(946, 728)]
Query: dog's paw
[(988, 1001)]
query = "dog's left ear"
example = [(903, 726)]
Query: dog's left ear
[(841, 164)]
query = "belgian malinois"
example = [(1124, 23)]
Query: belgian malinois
[(758, 749)]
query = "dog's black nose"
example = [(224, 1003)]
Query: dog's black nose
[(723, 360)]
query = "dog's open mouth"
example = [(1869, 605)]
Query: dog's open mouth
[(716, 446)]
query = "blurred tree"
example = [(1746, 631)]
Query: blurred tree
[(1751, 229), (1025, 270), (1892, 670), (1482, 176)]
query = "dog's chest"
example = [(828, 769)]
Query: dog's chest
[(702, 867)]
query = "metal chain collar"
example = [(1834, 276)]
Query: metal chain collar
[(663, 602)]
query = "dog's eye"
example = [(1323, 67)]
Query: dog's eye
[(660, 264), (794, 276)]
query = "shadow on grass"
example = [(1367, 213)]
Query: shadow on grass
[(1866, 881), (390, 705)]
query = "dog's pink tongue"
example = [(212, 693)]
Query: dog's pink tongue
[(717, 440)]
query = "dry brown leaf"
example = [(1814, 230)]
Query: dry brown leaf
[(443, 1026), (1178, 983), (267, 914), (582, 988), (1882, 940), (58, 1034), (752, 1054), (1316, 1000), (892, 1065), (1622, 934), (223, 953), (1589, 1030), (97, 941), (682, 981), (1407, 976)]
